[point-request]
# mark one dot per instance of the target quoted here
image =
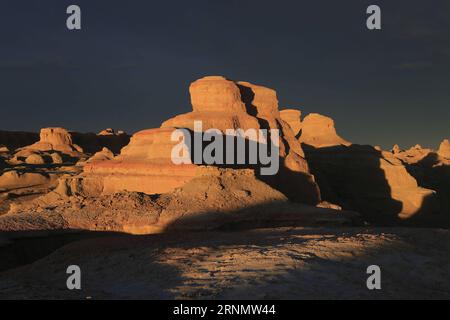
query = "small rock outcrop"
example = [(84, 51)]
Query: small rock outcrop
[(361, 178), (35, 159), (4, 149), (2, 163), (104, 154), (396, 149)]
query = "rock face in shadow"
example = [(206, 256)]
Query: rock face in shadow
[(14, 179), (13, 140), (145, 165), (75, 143), (362, 178)]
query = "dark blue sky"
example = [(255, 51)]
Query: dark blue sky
[(131, 64)]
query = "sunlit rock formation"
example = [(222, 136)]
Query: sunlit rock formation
[(319, 131), (293, 118), (55, 139), (414, 154)]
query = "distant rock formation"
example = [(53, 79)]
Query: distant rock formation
[(104, 154), (4, 149), (74, 143), (145, 165), (319, 131), (107, 132), (217, 102)]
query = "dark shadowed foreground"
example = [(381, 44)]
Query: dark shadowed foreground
[(282, 263)]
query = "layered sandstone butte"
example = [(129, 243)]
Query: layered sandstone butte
[(2, 163), (358, 177), (145, 164)]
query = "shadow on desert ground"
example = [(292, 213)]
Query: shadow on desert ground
[(281, 263)]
